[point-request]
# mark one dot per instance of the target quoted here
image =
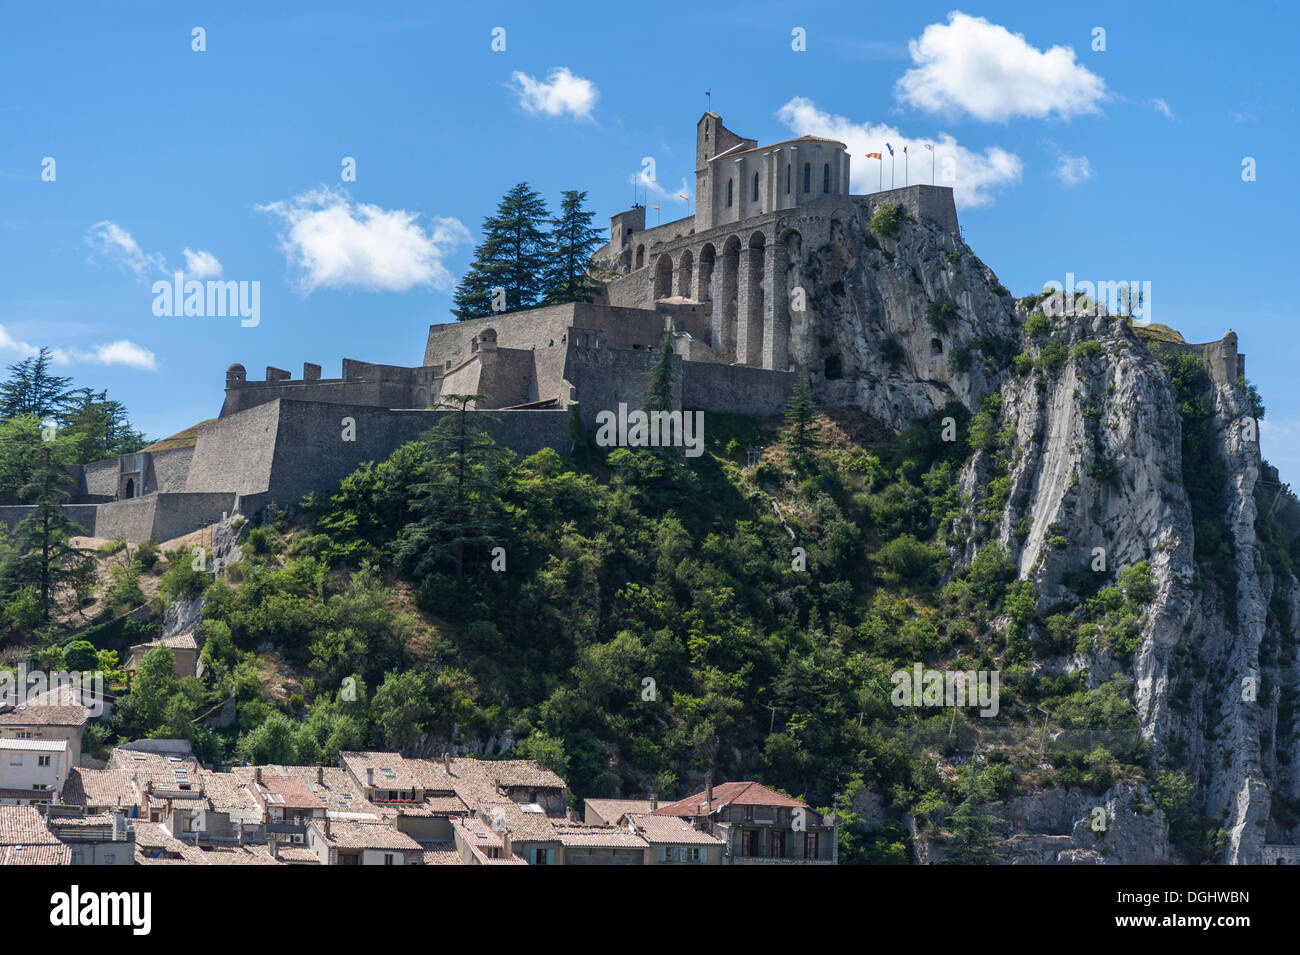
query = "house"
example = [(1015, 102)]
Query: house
[(101, 790), (54, 715), (32, 771), (600, 845), (184, 647), (361, 843), (671, 840), (477, 843), (95, 838), (418, 796), (758, 824), (26, 840), (609, 812)]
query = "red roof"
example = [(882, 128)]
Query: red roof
[(730, 794)]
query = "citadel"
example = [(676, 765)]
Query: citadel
[(750, 288)]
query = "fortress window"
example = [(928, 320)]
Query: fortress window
[(807, 177), (834, 368), (787, 179), (756, 187), (728, 193), (826, 177)]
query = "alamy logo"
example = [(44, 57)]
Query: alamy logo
[(76, 908), (921, 687), (1131, 299), (24, 688), (214, 298), (654, 429)]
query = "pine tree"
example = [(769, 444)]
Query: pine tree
[(971, 838), (459, 505), (41, 554), (513, 255), (31, 389), (660, 388), (801, 430), (572, 241), (102, 423)]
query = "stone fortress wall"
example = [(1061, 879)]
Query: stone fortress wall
[(718, 282)]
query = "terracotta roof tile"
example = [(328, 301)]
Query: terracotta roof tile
[(728, 794)]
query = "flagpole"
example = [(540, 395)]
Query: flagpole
[(880, 186), (906, 180)]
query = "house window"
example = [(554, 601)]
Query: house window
[(15, 759), (109, 858), (728, 193), (388, 858), (826, 177), (42, 760), (807, 177), (811, 845), (756, 187)]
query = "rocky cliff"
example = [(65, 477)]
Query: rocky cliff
[(1092, 476)]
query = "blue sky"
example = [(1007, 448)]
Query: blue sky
[(1122, 163)]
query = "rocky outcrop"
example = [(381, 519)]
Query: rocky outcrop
[(1096, 484)]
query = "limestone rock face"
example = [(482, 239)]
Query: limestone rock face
[(1096, 480), (864, 293)]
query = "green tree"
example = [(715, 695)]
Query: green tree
[(661, 387), (401, 708), (41, 554), (513, 255), (572, 240), (800, 436), (102, 423), (32, 390), (971, 837), (458, 505)]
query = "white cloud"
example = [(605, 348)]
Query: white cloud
[(1162, 107), (116, 244), (561, 92), (1073, 170), (121, 352), (201, 264), (336, 243), (976, 175), (969, 65)]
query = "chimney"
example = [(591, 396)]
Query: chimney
[(117, 826), (370, 777), (654, 802), (327, 827), (708, 793), (320, 775), (446, 764), (275, 849), (507, 845)]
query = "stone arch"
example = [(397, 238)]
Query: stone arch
[(786, 284), (756, 289), (421, 398), (663, 287), (128, 490), (685, 274), (708, 254), (640, 256), (726, 317)]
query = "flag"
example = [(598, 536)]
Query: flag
[(929, 147), (890, 148), (680, 196), (875, 156), (654, 207), (904, 150)]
